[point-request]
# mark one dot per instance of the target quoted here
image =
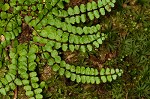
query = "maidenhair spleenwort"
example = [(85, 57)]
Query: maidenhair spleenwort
[(53, 28)]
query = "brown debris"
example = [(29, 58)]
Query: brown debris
[(2, 38), (25, 36), (46, 73)]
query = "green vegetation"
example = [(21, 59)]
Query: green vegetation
[(64, 49)]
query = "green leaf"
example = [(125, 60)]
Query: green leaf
[(27, 88), (72, 20), (25, 82), (92, 79), (38, 91), (87, 71), (98, 26), (54, 53), (113, 1), (7, 88), (77, 19), (56, 67), (82, 48), (64, 47), (18, 82), (73, 30), (29, 93), (34, 79), (83, 18), (85, 39), (4, 15), (89, 47), (103, 78), (32, 66), (109, 78), (94, 29), (94, 5), (92, 71), (82, 8), (96, 44), (83, 79), (102, 11), (61, 71), (68, 66), (88, 79), (12, 86), (28, 18), (1, 85), (67, 74), (96, 72), (73, 77), (69, 27), (102, 71), (5, 7), (24, 75), (71, 47), (108, 8), (22, 59), (54, 2), (91, 15), (78, 78), (39, 96), (60, 4), (72, 68), (57, 59), (67, 1), (108, 1), (51, 61), (42, 84), (99, 41), (112, 71), (104, 2), (96, 14), (55, 11), (114, 77), (78, 71), (4, 81), (62, 64), (89, 6), (77, 47), (65, 37), (57, 45), (83, 70), (22, 52), (100, 4), (44, 33), (79, 30), (59, 35), (117, 70), (31, 57), (119, 74), (31, 98), (8, 78), (81, 40), (35, 85), (107, 71), (76, 10), (97, 80), (85, 30), (3, 91), (70, 11)]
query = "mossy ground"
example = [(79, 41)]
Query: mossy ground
[(128, 26)]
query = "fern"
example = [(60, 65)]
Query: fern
[(48, 29)]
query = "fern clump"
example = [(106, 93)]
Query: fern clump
[(49, 35)]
